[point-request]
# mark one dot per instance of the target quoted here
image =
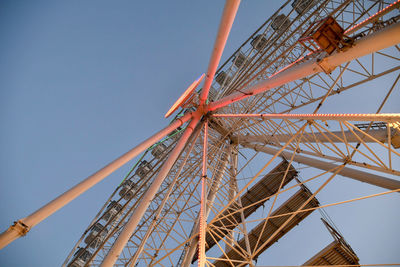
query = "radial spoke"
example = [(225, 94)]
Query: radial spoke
[(237, 189), (392, 117), (227, 19)]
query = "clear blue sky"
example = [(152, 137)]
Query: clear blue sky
[(80, 83)]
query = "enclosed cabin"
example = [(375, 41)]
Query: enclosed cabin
[(112, 209), (143, 169), (259, 42), (222, 78), (128, 189), (81, 257), (239, 60), (213, 94), (302, 6), (159, 150), (96, 235), (280, 23), (174, 134)]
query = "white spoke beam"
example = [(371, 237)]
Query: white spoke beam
[(386, 117), (221, 169), (365, 177), (374, 17), (230, 9), (134, 259), (137, 215), (379, 40), (22, 226), (379, 134)]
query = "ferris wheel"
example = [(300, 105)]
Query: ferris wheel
[(250, 152)]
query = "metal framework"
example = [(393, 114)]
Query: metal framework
[(218, 186)]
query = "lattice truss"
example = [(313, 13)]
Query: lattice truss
[(238, 230)]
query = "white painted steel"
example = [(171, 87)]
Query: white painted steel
[(189, 254), (310, 64), (386, 117), (12, 233), (379, 40), (317, 137), (137, 215), (361, 176), (228, 16), (134, 259)]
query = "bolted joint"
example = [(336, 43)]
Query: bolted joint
[(202, 109), (347, 159), (19, 227), (326, 66), (13, 232)]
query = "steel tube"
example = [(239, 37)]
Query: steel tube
[(379, 40), (361, 176), (320, 137), (374, 17), (137, 215), (228, 16), (133, 260), (387, 117), (13, 232), (203, 202), (189, 254)]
